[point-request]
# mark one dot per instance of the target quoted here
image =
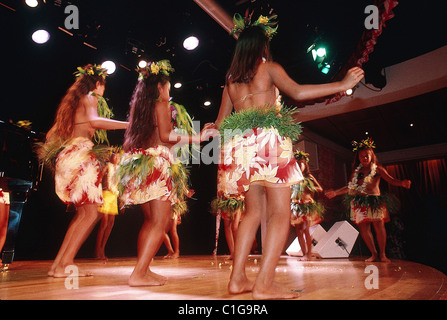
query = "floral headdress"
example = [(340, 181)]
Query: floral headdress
[(266, 23), (91, 70), (300, 155), (163, 66), (367, 143)]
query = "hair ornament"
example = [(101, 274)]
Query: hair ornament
[(266, 23), (163, 66), (367, 143), (300, 155), (91, 70)]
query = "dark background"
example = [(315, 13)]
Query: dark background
[(35, 77)]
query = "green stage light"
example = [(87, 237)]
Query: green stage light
[(326, 68)]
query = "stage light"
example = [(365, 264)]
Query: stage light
[(207, 103), (190, 43), (326, 68), (32, 3), (40, 36), (142, 64), (319, 54), (109, 65), (177, 85)]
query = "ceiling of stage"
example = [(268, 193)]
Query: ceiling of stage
[(35, 77)]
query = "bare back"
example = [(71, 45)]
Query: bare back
[(259, 92), (81, 122)]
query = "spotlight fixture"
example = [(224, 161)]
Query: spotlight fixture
[(40, 36), (191, 43), (177, 85), (109, 65), (351, 91), (324, 67), (32, 3), (142, 63), (319, 54), (207, 103)]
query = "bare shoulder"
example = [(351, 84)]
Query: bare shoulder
[(89, 99), (380, 169)]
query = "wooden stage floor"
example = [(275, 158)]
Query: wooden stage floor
[(206, 278)]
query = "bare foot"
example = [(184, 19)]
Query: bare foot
[(150, 279), (383, 258), (306, 258), (171, 256), (371, 259), (274, 292), (157, 276), (60, 272), (168, 256), (240, 285)]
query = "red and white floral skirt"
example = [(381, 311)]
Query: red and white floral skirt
[(78, 175), (151, 174), (261, 156)]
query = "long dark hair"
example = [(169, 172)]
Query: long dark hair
[(306, 171), (251, 46), (142, 112), (64, 120)]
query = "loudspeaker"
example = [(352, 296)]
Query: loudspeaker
[(317, 232), (338, 241)]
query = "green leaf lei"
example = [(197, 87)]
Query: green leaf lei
[(104, 111), (249, 119)]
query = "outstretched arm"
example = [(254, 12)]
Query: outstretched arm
[(391, 180), (333, 193), (304, 92), (167, 133), (97, 122)]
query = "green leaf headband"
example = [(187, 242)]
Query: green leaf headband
[(263, 22), (93, 70), (163, 66), (300, 155), (367, 143)]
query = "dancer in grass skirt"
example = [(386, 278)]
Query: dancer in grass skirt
[(367, 204)]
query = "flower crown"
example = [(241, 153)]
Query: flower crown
[(91, 70), (163, 66), (367, 143), (300, 155), (263, 22)]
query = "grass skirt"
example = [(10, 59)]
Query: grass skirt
[(312, 212), (370, 208), (78, 174), (257, 155), (150, 174)]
